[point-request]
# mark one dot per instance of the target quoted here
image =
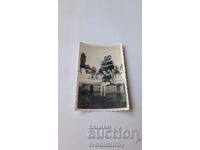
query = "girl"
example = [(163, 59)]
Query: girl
[(106, 80)]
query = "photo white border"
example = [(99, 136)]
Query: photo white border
[(127, 108)]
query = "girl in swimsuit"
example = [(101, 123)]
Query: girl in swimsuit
[(106, 80)]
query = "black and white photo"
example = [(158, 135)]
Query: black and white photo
[(101, 79)]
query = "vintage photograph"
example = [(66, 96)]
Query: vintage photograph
[(101, 79)]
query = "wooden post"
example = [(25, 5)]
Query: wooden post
[(91, 89), (118, 89)]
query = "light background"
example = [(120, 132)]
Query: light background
[(29, 82), (99, 22), (95, 54)]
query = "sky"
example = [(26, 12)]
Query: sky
[(95, 54)]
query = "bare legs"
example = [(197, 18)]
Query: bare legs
[(103, 88)]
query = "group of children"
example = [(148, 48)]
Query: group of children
[(107, 77), (108, 73)]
